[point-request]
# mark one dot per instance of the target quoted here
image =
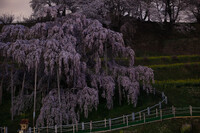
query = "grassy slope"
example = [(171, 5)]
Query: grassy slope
[(180, 93), (183, 92), (180, 80), (168, 126)]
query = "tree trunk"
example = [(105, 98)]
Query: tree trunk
[(35, 94), (120, 93), (59, 98), (22, 91), (1, 91), (106, 59), (11, 75)]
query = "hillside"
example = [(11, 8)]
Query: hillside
[(175, 59), (154, 39)]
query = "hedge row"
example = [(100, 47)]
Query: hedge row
[(157, 60), (179, 71)]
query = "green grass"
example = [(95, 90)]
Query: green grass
[(173, 65), (167, 126), (181, 95), (187, 82), (158, 60), (144, 101), (177, 76), (179, 71)]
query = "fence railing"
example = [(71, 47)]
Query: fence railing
[(3, 130), (123, 121), (107, 124)]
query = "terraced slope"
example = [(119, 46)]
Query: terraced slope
[(179, 78)]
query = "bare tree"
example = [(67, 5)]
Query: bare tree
[(194, 7), (7, 18), (173, 9)]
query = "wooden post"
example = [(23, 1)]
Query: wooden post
[(47, 129), (83, 127), (160, 105), (148, 111), (73, 128), (144, 118), (123, 119), (4, 129), (56, 130), (163, 95), (110, 124), (76, 126), (156, 112), (29, 129), (33, 129), (161, 114), (90, 125), (127, 120), (133, 116), (166, 100), (140, 115), (105, 122), (173, 110), (190, 110)]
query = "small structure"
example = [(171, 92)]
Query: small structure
[(24, 125)]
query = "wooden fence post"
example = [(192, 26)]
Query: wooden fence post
[(73, 128), (144, 118), (105, 122), (110, 124), (76, 126), (166, 101), (190, 110), (173, 111), (90, 126), (161, 114), (163, 95), (156, 112), (123, 119), (29, 129), (148, 111), (127, 120), (83, 127), (160, 105), (33, 129), (140, 116), (133, 116), (56, 130), (47, 129)]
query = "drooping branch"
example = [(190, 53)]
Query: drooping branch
[(69, 51)]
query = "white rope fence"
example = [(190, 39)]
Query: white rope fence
[(125, 121), (107, 124)]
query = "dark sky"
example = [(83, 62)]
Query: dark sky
[(19, 8)]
